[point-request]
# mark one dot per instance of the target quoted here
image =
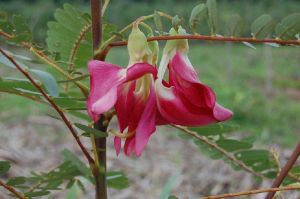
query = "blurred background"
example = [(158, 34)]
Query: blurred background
[(261, 86)]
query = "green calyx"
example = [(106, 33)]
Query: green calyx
[(138, 48), (178, 45)]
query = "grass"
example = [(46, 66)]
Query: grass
[(261, 87)]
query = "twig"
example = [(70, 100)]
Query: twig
[(12, 190), (221, 150), (51, 63), (284, 172), (52, 103), (204, 38), (251, 192)]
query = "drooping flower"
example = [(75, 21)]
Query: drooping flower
[(130, 91), (183, 99)]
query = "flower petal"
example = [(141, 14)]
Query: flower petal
[(176, 109), (146, 126), (117, 145), (104, 80), (139, 69)]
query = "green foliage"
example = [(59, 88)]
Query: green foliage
[(17, 28), (4, 167), (198, 14), (212, 16), (88, 131), (117, 180), (177, 21), (158, 23), (70, 37), (262, 27), (289, 27), (46, 78), (234, 26)]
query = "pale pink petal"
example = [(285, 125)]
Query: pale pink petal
[(222, 113), (146, 124), (104, 80)]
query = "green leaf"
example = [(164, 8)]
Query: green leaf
[(69, 103), (4, 167), (172, 197), (117, 180), (158, 23), (75, 161), (289, 27), (16, 181), (108, 30), (70, 32), (37, 193), (82, 77), (233, 145), (234, 26), (48, 80), (262, 27), (168, 186), (91, 131), (5, 62), (199, 13), (176, 22), (212, 16), (74, 192), (215, 129)]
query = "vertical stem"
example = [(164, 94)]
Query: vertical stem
[(284, 172), (99, 143)]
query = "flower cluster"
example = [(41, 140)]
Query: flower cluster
[(143, 98)]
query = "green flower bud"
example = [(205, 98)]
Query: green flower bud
[(137, 46)]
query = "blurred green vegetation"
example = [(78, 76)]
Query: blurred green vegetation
[(122, 12)]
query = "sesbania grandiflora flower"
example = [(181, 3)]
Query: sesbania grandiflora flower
[(183, 99), (129, 90)]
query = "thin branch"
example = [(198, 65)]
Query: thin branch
[(50, 62), (52, 103), (204, 38), (284, 172), (221, 150), (251, 192), (12, 190)]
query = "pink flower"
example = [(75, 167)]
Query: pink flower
[(130, 91), (183, 99)]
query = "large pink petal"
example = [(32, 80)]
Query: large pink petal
[(146, 124), (176, 109), (139, 69), (104, 80), (125, 104)]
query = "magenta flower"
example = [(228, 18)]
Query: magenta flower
[(183, 99), (130, 91)]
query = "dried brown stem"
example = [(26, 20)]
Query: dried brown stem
[(251, 192), (52, 103), (12, 190)]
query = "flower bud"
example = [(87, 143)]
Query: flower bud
[(137, 46)]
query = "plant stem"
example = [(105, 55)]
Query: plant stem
[(251, 192), (284, 172), (99, 144), (110, 44), (12, 190)]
